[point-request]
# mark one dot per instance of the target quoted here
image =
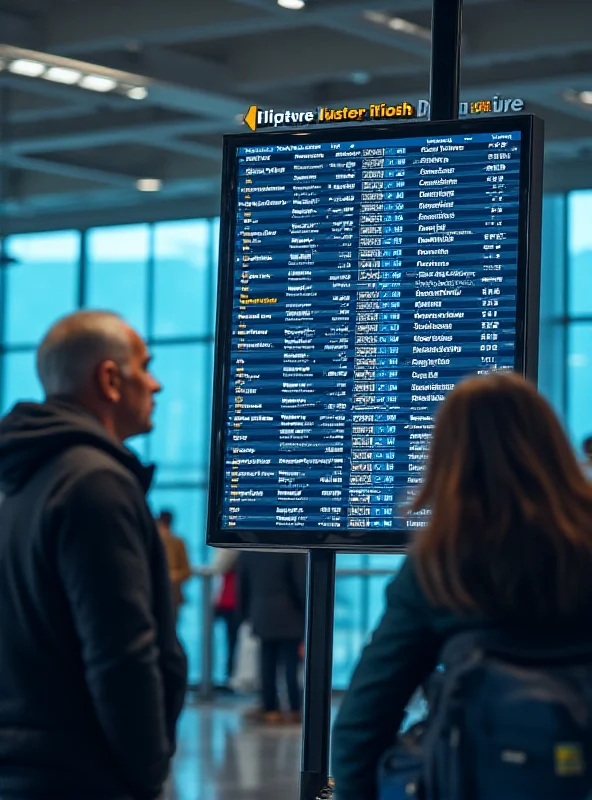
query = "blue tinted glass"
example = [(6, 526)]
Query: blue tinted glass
[(19, 379), (350, 631), (580, 252), (180, 442), (189, 508), (376, 599), (579, 382), (392, 563), (183, 284), (350, 561), (552, 308), (117, 272), (139, 445), (43, 285)]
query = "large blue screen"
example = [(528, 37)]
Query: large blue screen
[(367, 278)]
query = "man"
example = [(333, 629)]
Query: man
[(272, 596), (177, 559), (92, 677)]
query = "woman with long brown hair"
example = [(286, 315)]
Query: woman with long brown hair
[(508, 543)]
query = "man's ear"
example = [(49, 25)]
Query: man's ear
[(108, 376)]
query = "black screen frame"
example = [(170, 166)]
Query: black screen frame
[(527, 306)]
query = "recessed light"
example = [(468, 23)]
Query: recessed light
[(97, 83), (63, 75), (585, 97), (28, 67), (292, 5), (137, 93), (149, 185)]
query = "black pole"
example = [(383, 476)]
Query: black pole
[(5, 102), (445, 68), (4, 169), (318, 663)]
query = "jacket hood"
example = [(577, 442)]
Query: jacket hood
[(33, 433)]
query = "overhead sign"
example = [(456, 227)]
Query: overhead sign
[(258, 118)]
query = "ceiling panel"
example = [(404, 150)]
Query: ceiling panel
[(201, 64)]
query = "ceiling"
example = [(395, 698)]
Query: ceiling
[(71, 157)]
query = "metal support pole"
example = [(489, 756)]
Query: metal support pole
[(4, 168), (320, 606), (445, 67), (206, 687), (5, 190)]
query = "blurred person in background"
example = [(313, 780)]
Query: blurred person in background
[(272, 597), (226, 605), (92, 676), (177, 559), (508, 545)]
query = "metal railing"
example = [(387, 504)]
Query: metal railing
[(205, 688)]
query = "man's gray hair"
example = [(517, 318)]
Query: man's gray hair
[(75, 346)]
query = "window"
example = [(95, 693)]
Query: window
[(578, 348), (180, 442), (19, 379), (183, 285), (552, 312), (117, 272), (579, 371), (42, 285), (580, 253)]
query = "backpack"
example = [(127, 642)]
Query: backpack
[(510, 719)]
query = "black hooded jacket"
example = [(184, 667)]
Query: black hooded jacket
[(92, 677)]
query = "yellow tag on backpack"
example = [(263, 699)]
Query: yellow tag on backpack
[(569, 759)]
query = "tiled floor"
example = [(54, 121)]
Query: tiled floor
[(221, 758)]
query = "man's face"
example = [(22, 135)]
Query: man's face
[(137, 389)]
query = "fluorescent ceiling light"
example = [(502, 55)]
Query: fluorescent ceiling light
[(28, 67), (402, 25), (63, 75), (97, 83), (585, 97), (292, 5), (91, 77), (149, 185), (398, 24), (137, 93)]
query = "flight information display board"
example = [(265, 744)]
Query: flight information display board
[(363, 273)]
